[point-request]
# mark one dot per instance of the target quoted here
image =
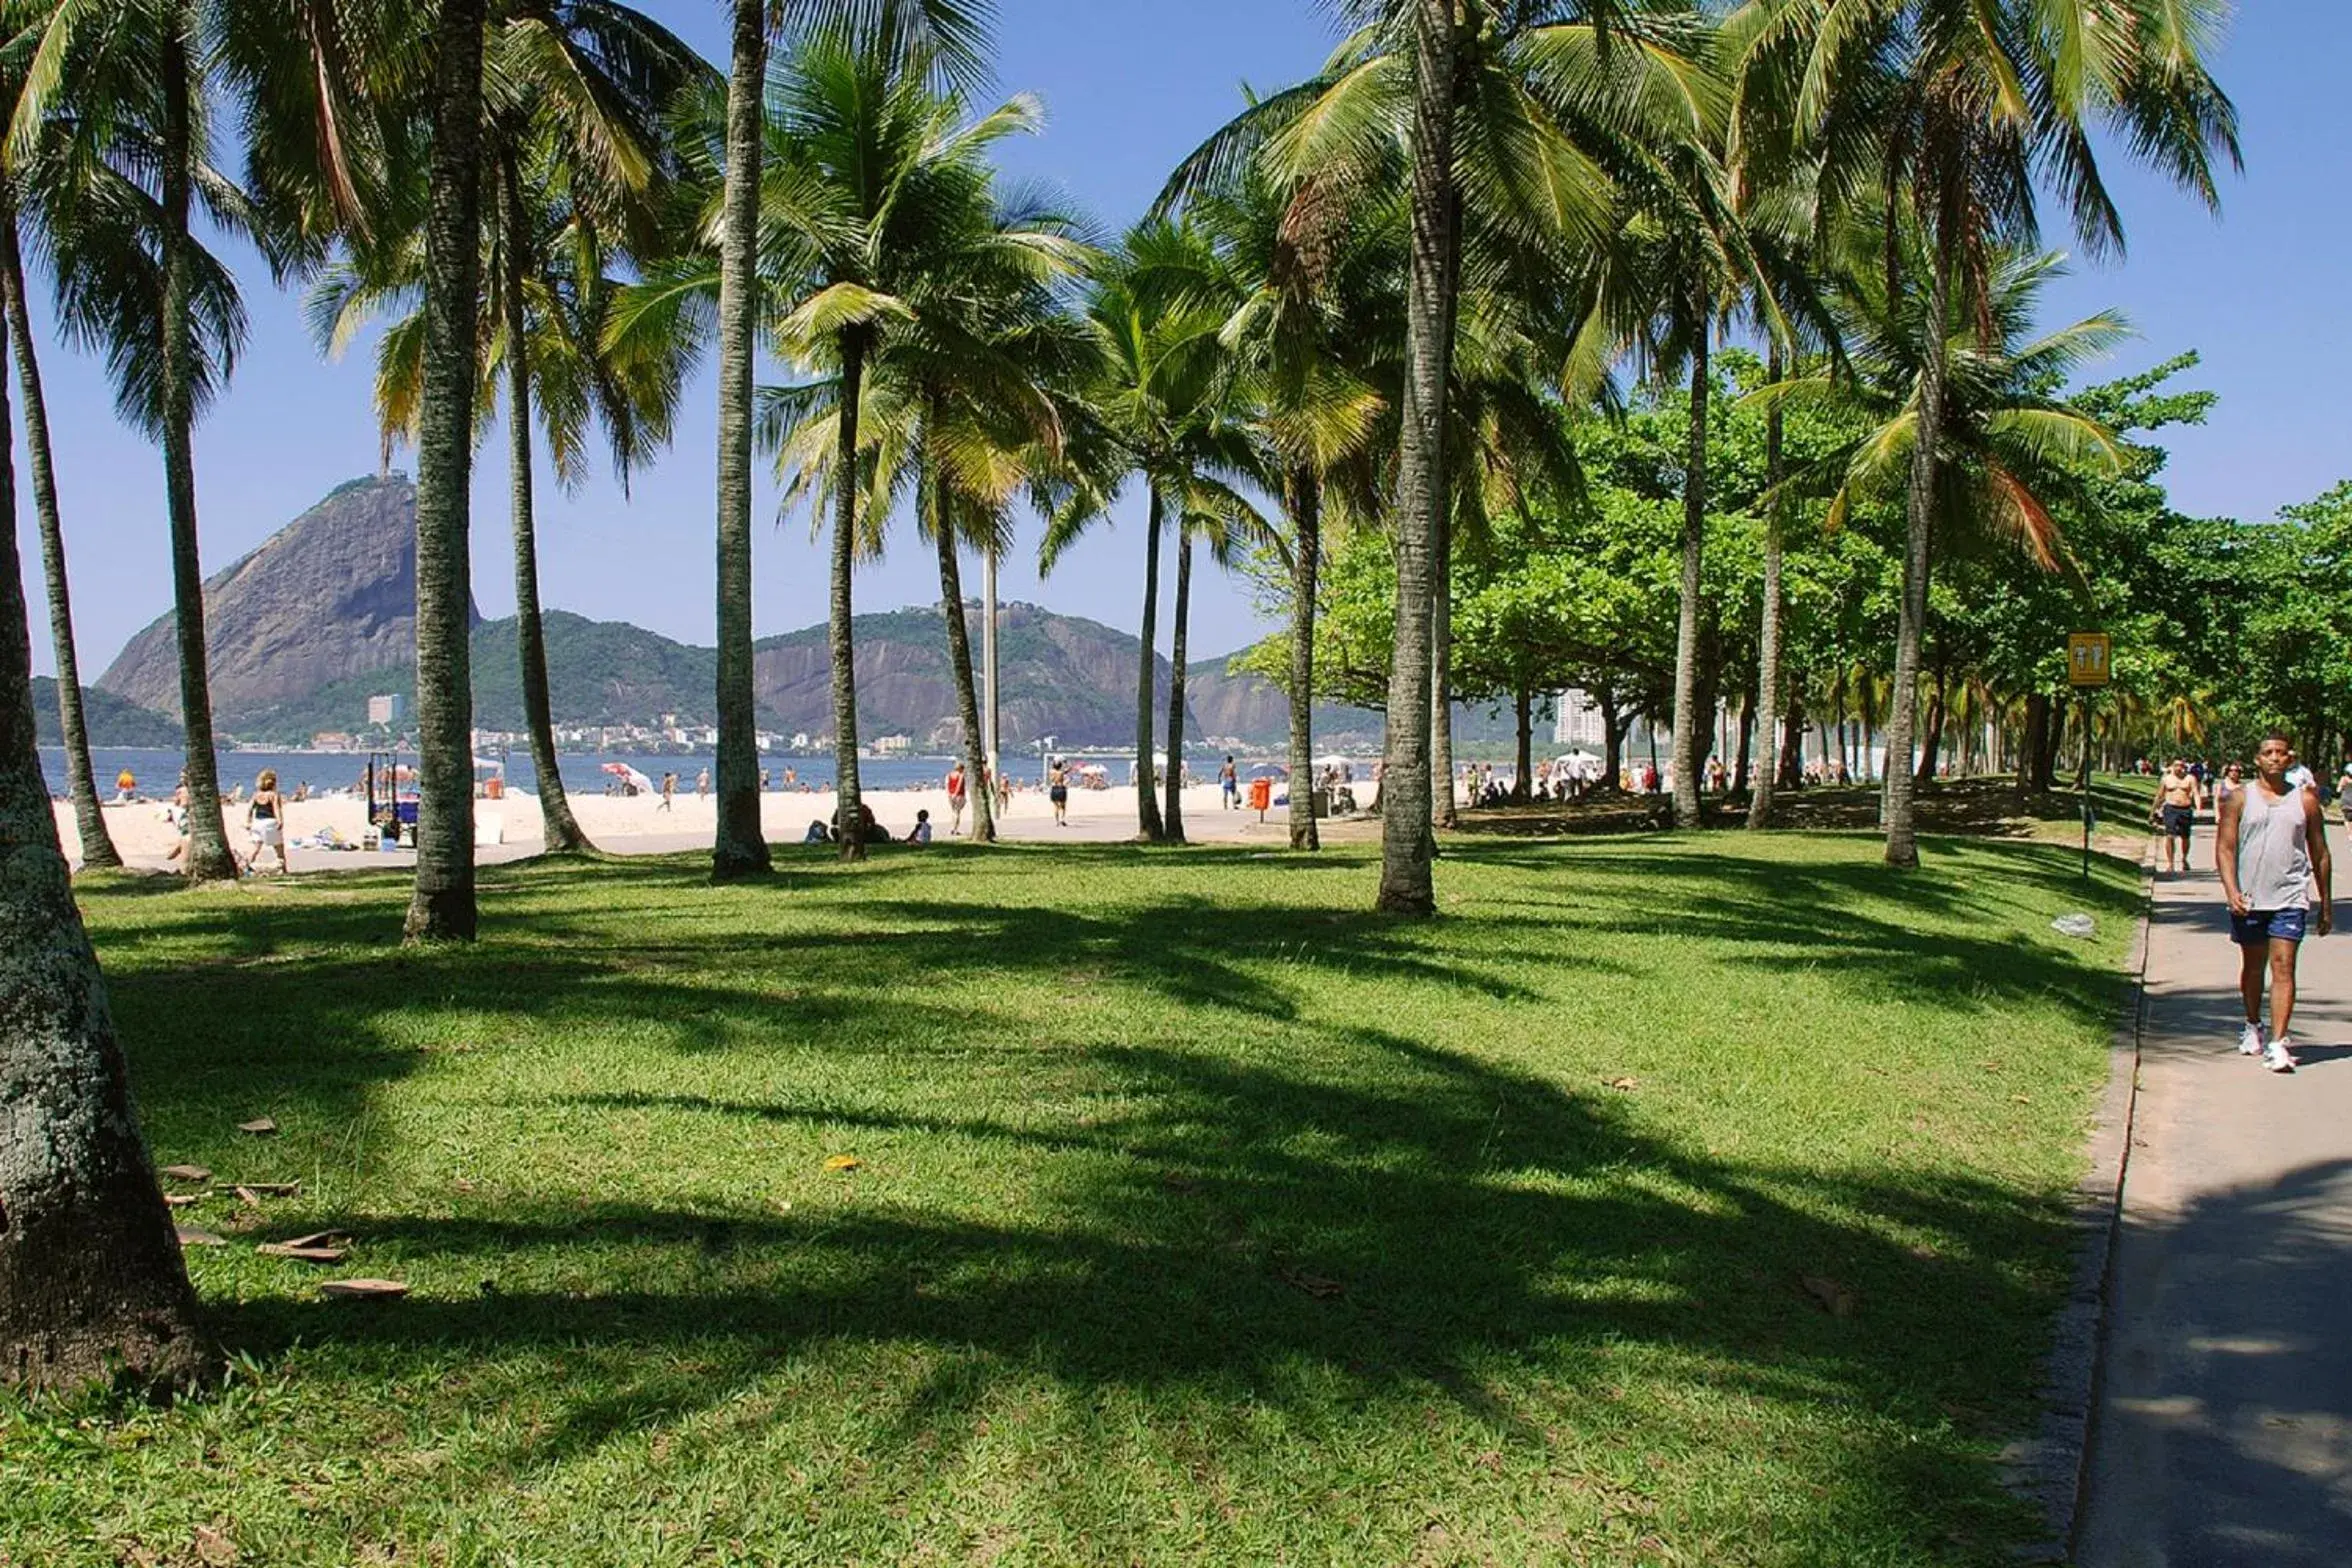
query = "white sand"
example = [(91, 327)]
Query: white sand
[(641, 826)]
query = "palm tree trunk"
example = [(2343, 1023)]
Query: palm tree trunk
[(97, 844), (1931, 743), (959, 660), (840, 638), (1147, 805), (1408, 844), (1612, 742), (1174, 815), (1766, 779), (208, 858), (1306, 545), (1445, 802), (1687, 717), (739, 848), (91, 1282), (555, 809), (1792, 745), (1902, 847), (442, 908)]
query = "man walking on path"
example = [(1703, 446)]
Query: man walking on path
[(2178, 795), (2271, 848)]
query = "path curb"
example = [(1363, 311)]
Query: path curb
[(2052, 1468)]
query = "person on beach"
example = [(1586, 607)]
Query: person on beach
[(126, 785), (1057, 790), (920, 833), (2177, 800), (955, 802), (177, 815), (2271, 849), (669, 792), (265, 822), (1229, 785), (702, 785), (1004, 792)]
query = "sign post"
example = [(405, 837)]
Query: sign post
[(2089, 660)]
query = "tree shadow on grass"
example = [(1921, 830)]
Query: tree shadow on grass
[(1350, 1221)]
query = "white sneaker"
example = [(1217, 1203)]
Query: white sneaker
[(2250, 1041), (2277, 1057)]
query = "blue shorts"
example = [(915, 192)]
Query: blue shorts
[(2266, 925)]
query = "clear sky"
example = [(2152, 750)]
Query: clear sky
[(1129, 86)]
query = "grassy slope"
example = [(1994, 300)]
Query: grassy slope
[(1201, 1217)]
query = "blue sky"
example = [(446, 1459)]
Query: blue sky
[(1129, 87)]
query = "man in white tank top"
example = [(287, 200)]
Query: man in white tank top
[(2270, 845)]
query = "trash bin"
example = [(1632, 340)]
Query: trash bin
[(1319, 803), (1261, 795)]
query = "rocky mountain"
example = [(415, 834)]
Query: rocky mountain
[(330, 596), (1252, 708), (111, 720)]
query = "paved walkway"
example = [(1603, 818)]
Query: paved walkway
[(2224, 1433)]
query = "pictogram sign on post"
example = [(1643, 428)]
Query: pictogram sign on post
[(2089, 658)]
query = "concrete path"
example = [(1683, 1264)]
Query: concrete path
[(2224, 1431)]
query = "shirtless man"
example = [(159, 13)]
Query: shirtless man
[(2178, 796), (2272, 850)]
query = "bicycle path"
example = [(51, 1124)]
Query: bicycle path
[(2224, 1429)]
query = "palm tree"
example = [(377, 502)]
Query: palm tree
[(97, 844), (442, 907), (1312, 286), (1512, 118), (574, 141), (1166, 405), (1958, 106), (2011, 450), (961, 410), (872, 170), (92, 1286)]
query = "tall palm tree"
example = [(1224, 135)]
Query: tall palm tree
[(574, 143), (1957, 106), (137, 86), (1512, 117), (1313, 286), (442, 906), (97, 844), (92, 1286), (1165, 405), (961, 410), (872, 170), (949, 38)]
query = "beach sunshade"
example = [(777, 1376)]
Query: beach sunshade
[(1335, 761)]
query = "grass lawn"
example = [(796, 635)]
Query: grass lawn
[(1672, 1200)]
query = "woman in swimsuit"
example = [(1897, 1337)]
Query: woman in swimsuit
[(265, 821), (1057, 789)]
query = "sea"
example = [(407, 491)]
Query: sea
[(157, 770)]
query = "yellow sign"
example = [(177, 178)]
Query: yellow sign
[(2087, 658)]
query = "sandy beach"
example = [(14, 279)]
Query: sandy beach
[(511, 828)]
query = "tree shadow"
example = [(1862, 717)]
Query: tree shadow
[(2222, 1431), (1300, 1212)]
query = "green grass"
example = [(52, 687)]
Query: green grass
[(1200, 1218)]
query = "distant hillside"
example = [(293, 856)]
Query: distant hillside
[(329, 596), (111, 720), (1254, 709)]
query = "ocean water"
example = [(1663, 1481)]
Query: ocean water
[(583, 773)]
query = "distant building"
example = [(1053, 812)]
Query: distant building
[(331, 740), (894, 746), (387, 709), (1579, 723)]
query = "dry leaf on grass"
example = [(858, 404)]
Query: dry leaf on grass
[(318, 1238), (186, 1172), (1833, 1298), (275, 1189), (287, 1249), (190, 1236), (247, 1196), (841, 1162), (359, 1289), (180, 1200), (1628, 1083), (260, 1126), (213, 1547)]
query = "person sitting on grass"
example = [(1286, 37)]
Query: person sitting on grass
[(920, 833)]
